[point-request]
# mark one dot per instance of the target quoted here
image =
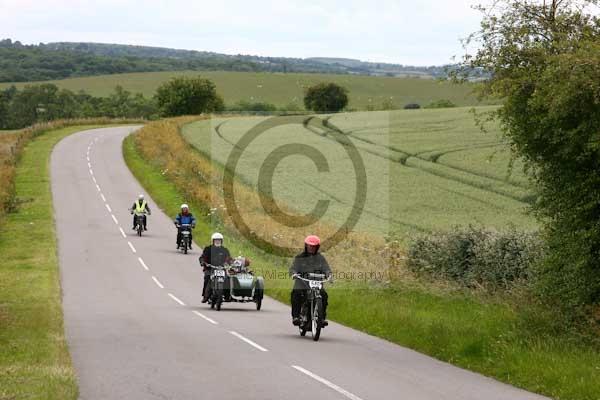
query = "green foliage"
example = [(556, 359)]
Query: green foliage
[(477, 257), (244, 105), (412, 106), (188, 96), (444, 103), (326, 97), (545, 60), (46, 102)]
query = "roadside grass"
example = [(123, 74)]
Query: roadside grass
[(510, 340), (34, 359), (282, 89)]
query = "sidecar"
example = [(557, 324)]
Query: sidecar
[(244, 287)]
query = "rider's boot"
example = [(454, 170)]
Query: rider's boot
[(296, 321)]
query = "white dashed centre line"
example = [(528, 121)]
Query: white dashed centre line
[(131, 246), (160, 285), (176, 299), (103, 198), (250, 342), (89, 165), (94, 179), (122, 232), (108, 208), (212, 321), (98, 187), (327, 383), (91, 172), (143, 264), (114, 219)]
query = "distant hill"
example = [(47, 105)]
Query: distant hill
[(23, 63)]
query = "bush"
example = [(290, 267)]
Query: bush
[(326, 97), (444, 103), (188, 96), (477, 257), (412, 106), (244, 105)]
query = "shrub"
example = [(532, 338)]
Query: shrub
[(412, 106), (188, 96), (326, 97), (444, 103), (477, 257), (244, 105)]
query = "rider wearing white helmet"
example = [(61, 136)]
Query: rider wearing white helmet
[(140, 206), (214, 254), (184, 217)]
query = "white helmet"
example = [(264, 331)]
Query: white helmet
[(184, 206), (141, 197), (216, 236)]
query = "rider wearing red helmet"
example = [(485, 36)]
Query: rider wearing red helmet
[(309, 261)]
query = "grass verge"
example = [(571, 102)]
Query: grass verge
[(34, 359), (516, 345)]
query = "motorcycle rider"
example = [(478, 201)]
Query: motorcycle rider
[(214, 254), (184, 217), (140, 206), (309, 261)]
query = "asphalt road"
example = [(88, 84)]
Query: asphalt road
[(136, 328)]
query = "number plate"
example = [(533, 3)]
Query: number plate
[(219, 272), (315, 284)]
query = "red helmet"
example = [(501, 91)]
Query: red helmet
[(312, 240)]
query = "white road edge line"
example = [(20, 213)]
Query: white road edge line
[(212, 321), (250, 342), (327, 383), (122, 232), (131, 246), (103, 198), (176, 299), (143, 264), (160, 285), (108, 208)]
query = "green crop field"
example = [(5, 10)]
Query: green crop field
[(283, 89), (426, 169)]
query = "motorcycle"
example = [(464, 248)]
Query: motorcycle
[(312, 313), (139, 222), (185, 242), (235, 283)]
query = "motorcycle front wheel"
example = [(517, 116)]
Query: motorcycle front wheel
[(317, 319)]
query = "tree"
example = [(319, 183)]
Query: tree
[(545, 63), (188, 96), (326, 97)]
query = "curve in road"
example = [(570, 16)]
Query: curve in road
[(137, 330)]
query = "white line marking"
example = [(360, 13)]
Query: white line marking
[(212, 321), (250, 342), (91, 172), (131, 246), (89, 165), (103, 198), (108, 208), (88, 157), (122, 232), (98, 187), (114, 219), (160, 285), (176, 299), (327, 383), (143, 264), (94, 179)]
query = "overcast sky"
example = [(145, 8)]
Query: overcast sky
[(416, 32)]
